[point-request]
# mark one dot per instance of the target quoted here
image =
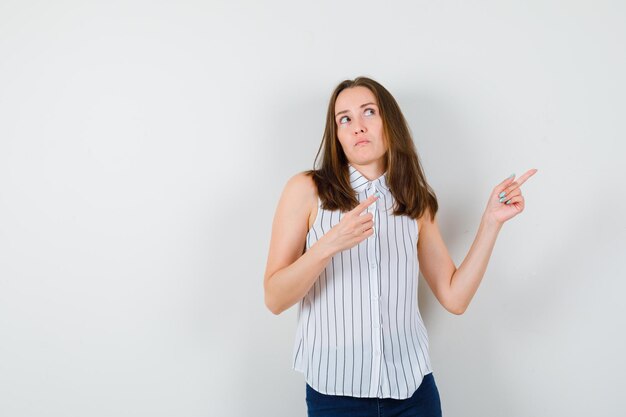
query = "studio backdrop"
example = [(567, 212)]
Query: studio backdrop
[(144, 146)]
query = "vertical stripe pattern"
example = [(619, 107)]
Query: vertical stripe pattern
[(359, 329)]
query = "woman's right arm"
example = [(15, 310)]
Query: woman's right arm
[(290, 273)]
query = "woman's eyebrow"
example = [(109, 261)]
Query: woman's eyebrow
[(362, 105)]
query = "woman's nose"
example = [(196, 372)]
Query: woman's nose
[(359, 129)]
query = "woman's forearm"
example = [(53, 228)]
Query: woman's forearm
[(467, 277), (290, 284)]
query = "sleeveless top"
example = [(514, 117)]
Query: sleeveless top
[(359, 329)]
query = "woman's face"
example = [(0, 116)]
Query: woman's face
[(359, 125)]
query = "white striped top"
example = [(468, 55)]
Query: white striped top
[(359, 329)]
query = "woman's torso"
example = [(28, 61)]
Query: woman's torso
[(359, 328)]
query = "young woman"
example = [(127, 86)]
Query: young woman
[(348, 241)]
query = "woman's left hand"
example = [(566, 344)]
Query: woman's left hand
[(508, 190)]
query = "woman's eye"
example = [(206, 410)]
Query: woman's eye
[(343, 120), (369, 112)]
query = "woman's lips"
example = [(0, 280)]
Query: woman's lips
[(362, 142)]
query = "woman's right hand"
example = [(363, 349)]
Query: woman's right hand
[(353, 228)]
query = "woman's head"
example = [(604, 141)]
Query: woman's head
[(380, 120), (358, 125), (363, 110)]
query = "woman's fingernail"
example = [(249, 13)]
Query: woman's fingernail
[(511, 176), (508, 202), (502, 194), (502, 199)]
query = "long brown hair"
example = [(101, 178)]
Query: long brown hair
[(405, 176)]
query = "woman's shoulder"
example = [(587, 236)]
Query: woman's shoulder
[(303, 184), (301, 189), (301, 193)]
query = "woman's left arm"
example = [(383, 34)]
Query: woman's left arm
[(455, 287)]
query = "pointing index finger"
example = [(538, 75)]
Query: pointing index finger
[(364, 204), (521, 180)]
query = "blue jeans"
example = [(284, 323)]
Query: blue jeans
[(424, 402)]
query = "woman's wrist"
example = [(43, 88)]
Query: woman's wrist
[(491, 222), (324, 250)]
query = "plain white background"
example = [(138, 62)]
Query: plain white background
[(144, 146)]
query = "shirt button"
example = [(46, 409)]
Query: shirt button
[(373, 266), (376, 325)]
